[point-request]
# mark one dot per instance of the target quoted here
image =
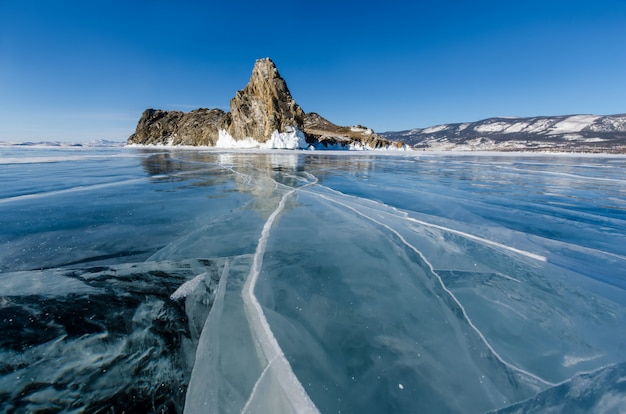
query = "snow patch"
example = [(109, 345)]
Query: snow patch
[(516, 127), (539, 126), (574, 123), (493, 127), (434, 129), (358, 128)]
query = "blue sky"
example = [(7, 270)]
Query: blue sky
[(84, 70)]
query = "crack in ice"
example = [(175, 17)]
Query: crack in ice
[(480, 239), (444, 287), (405, 215), (266, 341), (73, 190)]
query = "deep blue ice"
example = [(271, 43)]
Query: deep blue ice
[(163, 280)]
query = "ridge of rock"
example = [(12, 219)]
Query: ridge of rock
[(198, 127), (261, 109), (328, 135)]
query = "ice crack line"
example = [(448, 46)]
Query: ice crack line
[(72, 190), (480, 239), (457, 232), (448, 291), (266, 341)]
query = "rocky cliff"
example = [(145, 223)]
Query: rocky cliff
[(262, 114), (198, 127)]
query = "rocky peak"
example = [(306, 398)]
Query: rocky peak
[(264, 105)]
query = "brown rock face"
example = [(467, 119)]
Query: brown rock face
[(198, 127), (328, 135), (265, 105)]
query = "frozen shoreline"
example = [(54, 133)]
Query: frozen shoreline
[(400, 153), (397, 152)]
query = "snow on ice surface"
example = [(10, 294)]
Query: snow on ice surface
[(352, 282)]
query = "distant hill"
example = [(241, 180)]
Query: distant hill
[(567, 133)]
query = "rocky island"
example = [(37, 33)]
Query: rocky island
[(262, 115)]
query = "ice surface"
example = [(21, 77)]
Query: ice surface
[(211, 281), (114, 346)]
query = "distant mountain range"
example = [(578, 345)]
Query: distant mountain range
[(63, 144), (568, 133)]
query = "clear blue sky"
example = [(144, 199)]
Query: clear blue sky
[(84, 70)]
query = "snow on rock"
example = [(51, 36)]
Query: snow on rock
[(364, 130), (293, 138), (225, 140)]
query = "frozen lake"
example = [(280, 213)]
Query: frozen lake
[(163, 280)]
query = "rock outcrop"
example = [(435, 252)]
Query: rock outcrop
[(265, 105), (325, 134), (263, 113), (198, 127)]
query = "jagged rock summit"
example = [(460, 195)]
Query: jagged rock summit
[(265, 105), (263, 114)]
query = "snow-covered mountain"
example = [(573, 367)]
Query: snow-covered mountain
[(63, 144), (578, 133)]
